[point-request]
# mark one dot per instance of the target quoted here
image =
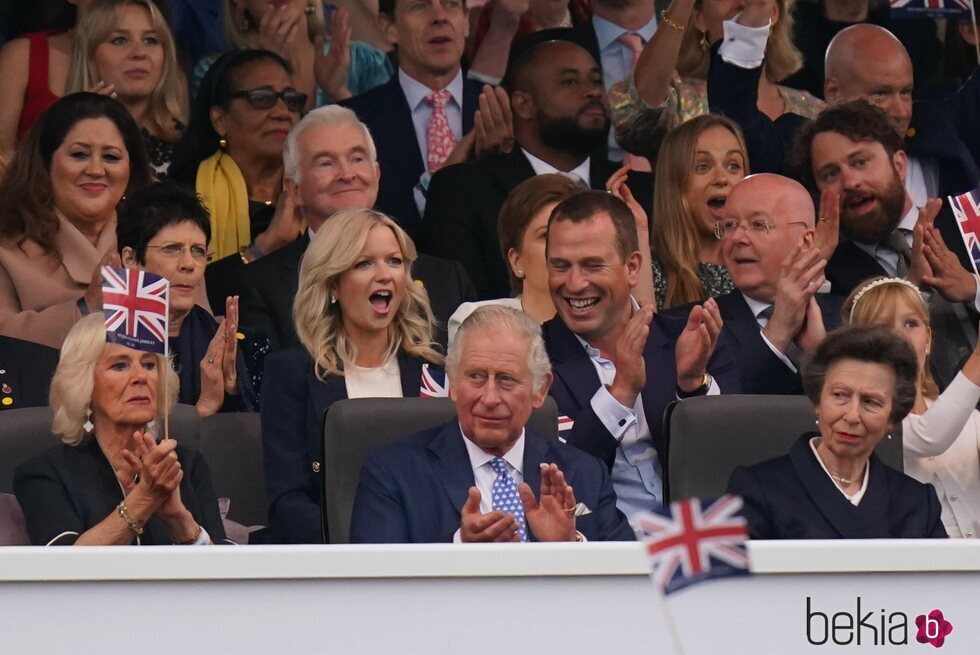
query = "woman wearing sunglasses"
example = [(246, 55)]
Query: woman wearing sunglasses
[(232, 155), (164, 229)]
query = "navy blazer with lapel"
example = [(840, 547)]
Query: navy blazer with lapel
[(271, 283), (464, 202), (413, 491), (385, 111), (26, 369), (294, 401), (791, 497), (576, 381), (760, 370)]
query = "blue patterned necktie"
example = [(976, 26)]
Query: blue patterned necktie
[(505, 496)]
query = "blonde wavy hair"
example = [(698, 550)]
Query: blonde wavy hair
[(320, 323), (783, 58), (166, 102), (74, 379), (674, 239), (241, 26), (876, 306)]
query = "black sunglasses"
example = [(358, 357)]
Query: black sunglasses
[(266, 98)]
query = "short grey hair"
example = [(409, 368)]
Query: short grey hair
[(330, 115), (499, 318)]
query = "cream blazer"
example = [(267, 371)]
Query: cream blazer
[(39, 294)]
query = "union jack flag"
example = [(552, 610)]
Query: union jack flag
[(135, 306), (966, 209), (434, 383), (689, 541), (928, 8)]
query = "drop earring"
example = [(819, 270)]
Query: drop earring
[(333, 299), (704, 40), (222, 143), (87, 425)]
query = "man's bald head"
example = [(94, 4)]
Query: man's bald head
[(754, 257), (867, 61)]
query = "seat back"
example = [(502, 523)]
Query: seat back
[(353, 428), (24, 433), (232, 446), (709, 436)]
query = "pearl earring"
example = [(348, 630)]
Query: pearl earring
[(520, 274), (333, 300)]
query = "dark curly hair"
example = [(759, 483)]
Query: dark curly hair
[(873, 344), (858, 120)]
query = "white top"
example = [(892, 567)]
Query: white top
[(857, 496), (942, 448), (384, 381), (467, 308)]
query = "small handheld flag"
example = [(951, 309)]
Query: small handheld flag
[(135, 306), (966, 209), (929, 8), (694, 540)]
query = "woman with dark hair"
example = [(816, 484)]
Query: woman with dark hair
[(164, 229), (231, 153), (58, 215), (862, 383)]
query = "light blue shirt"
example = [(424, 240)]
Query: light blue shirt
[(617, 60)]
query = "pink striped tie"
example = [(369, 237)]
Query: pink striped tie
[(635, 43), (438, 135)]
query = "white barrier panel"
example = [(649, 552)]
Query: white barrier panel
[(475, 599)]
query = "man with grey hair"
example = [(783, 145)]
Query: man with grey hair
[(329, 164), (472, 479)]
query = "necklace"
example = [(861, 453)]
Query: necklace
[(844, 481)]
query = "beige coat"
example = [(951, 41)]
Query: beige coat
[(38, 294)]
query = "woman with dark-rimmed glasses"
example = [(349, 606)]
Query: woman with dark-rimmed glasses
[(232, 155)]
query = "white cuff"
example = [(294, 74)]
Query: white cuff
[(481, 77), (744, 46), (615, 417), (781, 355), (976, 296)]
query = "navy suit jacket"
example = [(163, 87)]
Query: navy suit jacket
[(413, 491), (26, 369), (760, 370), (576, 381), (387, 115), (293, 404), (464, 203), (790, 497)]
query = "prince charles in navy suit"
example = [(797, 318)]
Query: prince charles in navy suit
[(484, 477)]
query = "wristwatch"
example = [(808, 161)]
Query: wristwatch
[(701, 390)]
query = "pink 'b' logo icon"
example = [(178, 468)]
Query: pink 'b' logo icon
[(933, 628)]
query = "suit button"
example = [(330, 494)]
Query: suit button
[(316, 467)]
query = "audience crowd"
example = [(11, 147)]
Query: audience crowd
[(603, 207)]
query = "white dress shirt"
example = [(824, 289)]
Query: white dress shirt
[(416, 93), (757, 307), (616, 60), (541, 167), (483, 474)]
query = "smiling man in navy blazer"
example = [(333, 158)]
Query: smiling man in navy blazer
[(430, 36), (484, 477), (616, 368)]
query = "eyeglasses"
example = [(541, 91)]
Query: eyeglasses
[(175, 251), (266, 98), (758, 227)]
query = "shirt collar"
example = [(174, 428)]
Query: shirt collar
[(480, 457), (606, 32), (908, 221), (594, 353), (415, 92), (541, 167), (756, 306)]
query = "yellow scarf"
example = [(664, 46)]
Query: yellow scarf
[(222, 188)]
